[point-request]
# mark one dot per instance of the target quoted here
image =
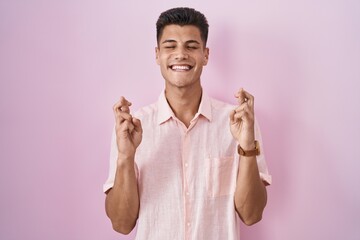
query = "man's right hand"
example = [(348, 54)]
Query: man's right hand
[(128, 130)]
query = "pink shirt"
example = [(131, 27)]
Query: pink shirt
[(187, 176)]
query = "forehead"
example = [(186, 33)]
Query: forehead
[(181, 33)]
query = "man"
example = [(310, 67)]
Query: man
[(187, 166)]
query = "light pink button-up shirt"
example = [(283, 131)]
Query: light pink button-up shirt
[(187, 176)]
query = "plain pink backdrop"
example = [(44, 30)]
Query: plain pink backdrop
[(63, 64)]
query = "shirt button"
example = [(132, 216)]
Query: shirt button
[(188, 224), (186, 165), (187, 193)]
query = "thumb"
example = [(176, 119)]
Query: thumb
[(137, 125), (232, 116)]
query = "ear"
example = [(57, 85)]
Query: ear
[(157, 55), (206, 56)]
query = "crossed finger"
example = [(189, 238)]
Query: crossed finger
[(122, 105), (244, 97), (246, 106), (122, 111)]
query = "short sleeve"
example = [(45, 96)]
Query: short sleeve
[(112, 166), (263, 170), (113, 163)]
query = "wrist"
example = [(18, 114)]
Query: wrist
[(247, 143), (125, 158), (249, 149)]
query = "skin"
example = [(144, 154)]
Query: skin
[(181, 55), (122, 200), (250, 194), (182, 47)]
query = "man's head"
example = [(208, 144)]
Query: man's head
[(182, 17), (181, 50)]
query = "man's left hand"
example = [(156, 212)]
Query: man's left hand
[(242, 120)]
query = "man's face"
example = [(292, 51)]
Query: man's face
[(181, 55)]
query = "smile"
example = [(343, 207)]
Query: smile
[(181, 67)]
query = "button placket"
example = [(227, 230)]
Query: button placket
[(186, 190)]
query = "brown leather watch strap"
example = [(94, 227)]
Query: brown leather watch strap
[(249, 153)]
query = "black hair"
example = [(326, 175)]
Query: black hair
[(183, 16)]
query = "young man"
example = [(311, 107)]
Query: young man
[(187, 166)]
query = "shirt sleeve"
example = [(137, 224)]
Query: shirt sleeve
[(112, 167), (113, 164), (263, 170)]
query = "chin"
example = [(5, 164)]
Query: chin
[(182, 83)]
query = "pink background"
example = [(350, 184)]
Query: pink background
[(64, 63)]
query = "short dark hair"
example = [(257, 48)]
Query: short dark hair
[(183, 16)]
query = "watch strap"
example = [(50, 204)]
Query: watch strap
[(249, 153)]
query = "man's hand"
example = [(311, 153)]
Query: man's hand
[(128, 130), (242, 120), (122, 201)]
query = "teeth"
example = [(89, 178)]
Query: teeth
[(177, 67)]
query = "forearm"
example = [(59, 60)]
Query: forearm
[(122, 201), (250, 194)]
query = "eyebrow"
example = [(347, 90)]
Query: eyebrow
[(173, 41)]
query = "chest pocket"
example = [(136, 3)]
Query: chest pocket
[(220, 176)]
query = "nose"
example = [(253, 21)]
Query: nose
[(181, 54)]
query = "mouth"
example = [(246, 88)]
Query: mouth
[(180, 68)]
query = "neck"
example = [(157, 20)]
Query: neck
[(184, 102)]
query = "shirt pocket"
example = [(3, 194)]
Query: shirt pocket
[(220, 176)]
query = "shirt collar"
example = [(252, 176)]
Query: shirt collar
[(165, 112), (205, 106)]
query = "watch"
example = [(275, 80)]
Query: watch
[(249, 153)]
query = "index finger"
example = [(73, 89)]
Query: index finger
[(122, 105), (124, 101), (244, 96)]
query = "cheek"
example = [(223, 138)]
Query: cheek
[(164, 59)]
